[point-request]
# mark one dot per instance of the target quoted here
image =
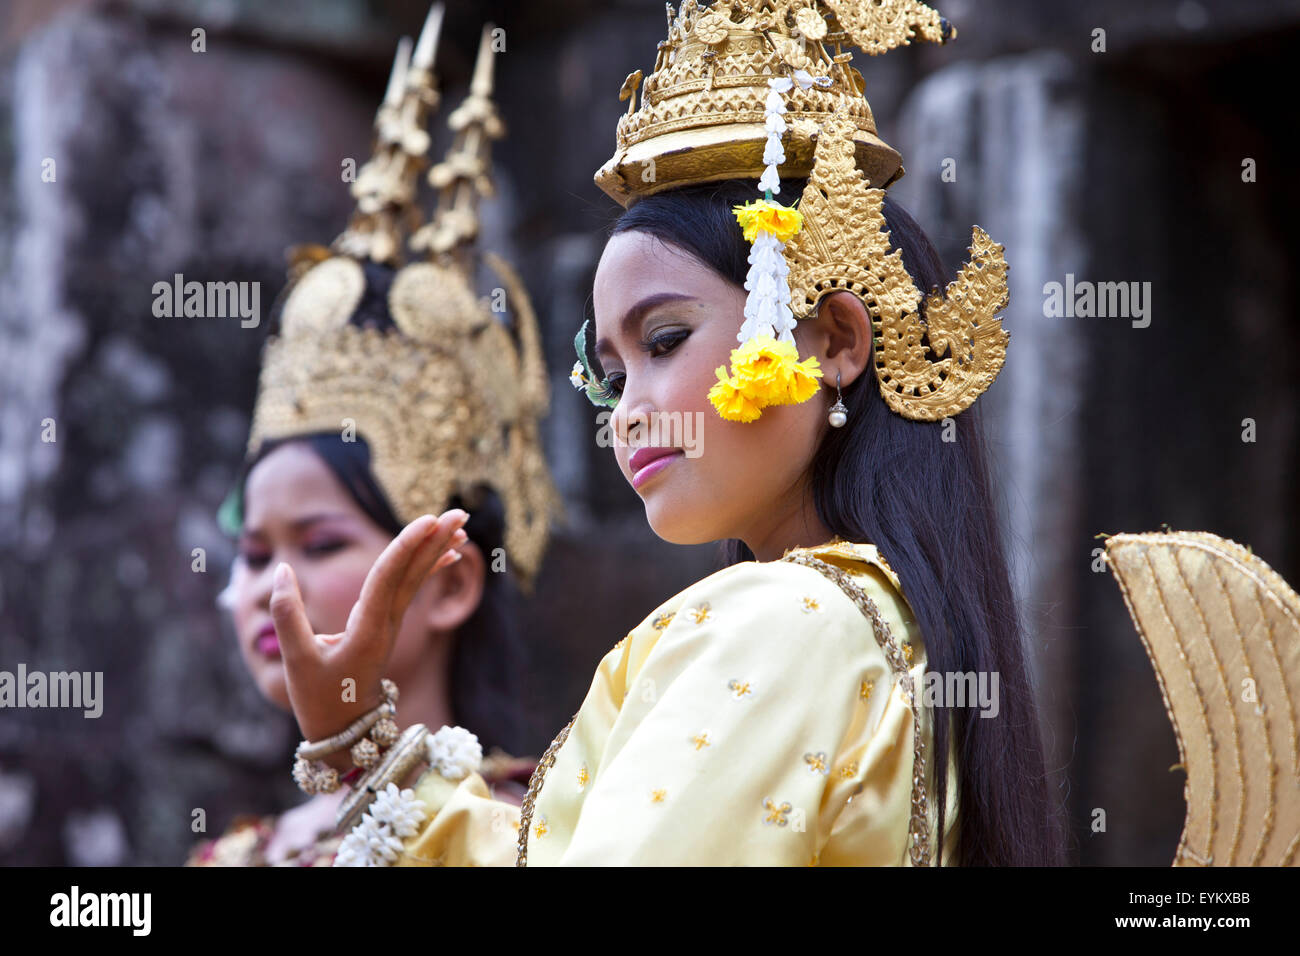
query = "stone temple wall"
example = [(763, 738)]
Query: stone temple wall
[(1122, 165)]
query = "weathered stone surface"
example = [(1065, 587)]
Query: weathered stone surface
[(1117, 166)]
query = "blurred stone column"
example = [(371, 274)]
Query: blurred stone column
[(130, 157), (998, 143)]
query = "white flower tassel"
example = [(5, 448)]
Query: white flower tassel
[(767, 308), (767, 334), (774, 123)]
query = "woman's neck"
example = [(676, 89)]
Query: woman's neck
[(797, 526), (426, 690)]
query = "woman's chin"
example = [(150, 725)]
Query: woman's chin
[(675, 527), (272, 685)]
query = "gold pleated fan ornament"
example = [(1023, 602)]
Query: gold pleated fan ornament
[(448, 401), (760, 89), (1222, 630)]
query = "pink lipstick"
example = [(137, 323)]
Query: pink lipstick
[(645, 463), (267, 643)]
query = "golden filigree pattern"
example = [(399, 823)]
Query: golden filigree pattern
[(701, 112), (385, 185), (449, 402), (844, 245)]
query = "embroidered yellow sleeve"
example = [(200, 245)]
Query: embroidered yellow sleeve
[(465, 826), (737, 734)]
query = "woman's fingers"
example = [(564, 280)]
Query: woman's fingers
[(292, 629), (431, 556), (371, 614), (384, 595)]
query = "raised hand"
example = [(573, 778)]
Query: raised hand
[(317, 665)]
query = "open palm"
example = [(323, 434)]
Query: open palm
[(318, 666)]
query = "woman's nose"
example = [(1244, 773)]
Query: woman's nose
[(631, 419)]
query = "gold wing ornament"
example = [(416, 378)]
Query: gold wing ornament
[(1222, 630)]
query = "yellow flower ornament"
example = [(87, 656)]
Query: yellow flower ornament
[(767, 216), (764, 372)]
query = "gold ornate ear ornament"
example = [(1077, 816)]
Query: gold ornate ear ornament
[(845, 246), (448, 401)]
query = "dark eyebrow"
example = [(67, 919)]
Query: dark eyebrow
[(305, 521), (635, 314)]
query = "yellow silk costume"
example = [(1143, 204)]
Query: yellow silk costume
[(753, 719)]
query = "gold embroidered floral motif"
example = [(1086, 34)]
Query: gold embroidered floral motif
[(541, 829), (583, 777), (657, 796), (816, 762), (701, 613), (740, 688), (864, 691), (701, 740), (849, 770), (662, 621), (776, 814), (810, 605)]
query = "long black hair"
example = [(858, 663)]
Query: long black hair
[(927, 505), (486, 665)]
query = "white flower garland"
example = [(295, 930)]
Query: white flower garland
[(377, 839), (767, 308), (396, 815)]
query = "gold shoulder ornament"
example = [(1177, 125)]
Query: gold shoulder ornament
[(1222, 630)]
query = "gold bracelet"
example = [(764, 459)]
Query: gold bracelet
[(397, 761), (357, 729)]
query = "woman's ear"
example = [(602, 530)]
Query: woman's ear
[(842, 330), (457, 590)]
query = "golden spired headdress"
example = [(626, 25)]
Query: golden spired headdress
[(448, 400), (744, 88)]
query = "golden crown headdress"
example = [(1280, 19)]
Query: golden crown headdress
[(448, 401), (759, 89)]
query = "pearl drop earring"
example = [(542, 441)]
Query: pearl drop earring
[(838, 414)]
